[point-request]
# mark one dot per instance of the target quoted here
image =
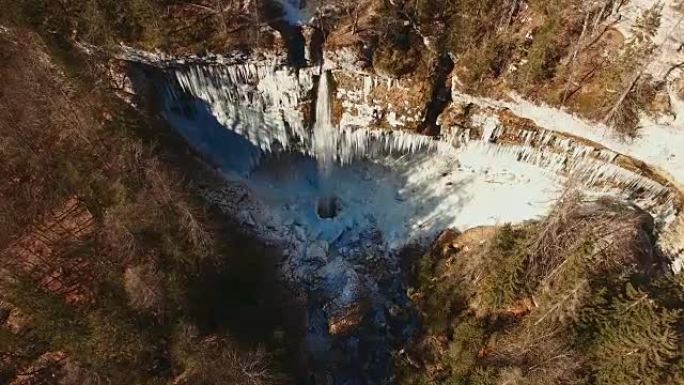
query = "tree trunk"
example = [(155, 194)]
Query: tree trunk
[(623, 96), (573, 58)]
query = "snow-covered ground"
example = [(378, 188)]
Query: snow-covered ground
[(669, 37), (660, 144), (408, 198)]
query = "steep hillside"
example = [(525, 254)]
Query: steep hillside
[(111, 270)]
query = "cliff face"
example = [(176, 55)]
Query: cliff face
[(273, 106)]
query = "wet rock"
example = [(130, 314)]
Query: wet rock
[(300, 233), (317, 251), (341, 285)]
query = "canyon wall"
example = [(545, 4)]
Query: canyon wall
[(274, 107)]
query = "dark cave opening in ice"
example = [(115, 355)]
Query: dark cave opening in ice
[(328, 206)]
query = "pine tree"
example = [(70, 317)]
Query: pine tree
[(502, 280), (631, 339)]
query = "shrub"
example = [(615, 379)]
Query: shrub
[(396, 61), (217, 361)]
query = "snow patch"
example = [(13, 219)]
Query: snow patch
[(669, 37), (659, 144)]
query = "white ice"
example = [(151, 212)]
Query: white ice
[(660, 144), (408, 198)]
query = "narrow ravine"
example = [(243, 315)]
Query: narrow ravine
[(440, 97)]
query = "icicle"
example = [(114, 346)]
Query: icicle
[(367, 88), (489, 129), (256, 100)]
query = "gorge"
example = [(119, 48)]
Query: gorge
[(319, 166), (301, 192)]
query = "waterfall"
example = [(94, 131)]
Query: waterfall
[(292, 11), (262, 103), (325, 135)]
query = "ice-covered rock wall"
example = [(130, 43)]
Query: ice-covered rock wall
[(589, 165), (370, 100), (261, 101), (267, 104)]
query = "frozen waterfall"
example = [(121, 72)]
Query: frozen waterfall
[(264, 103), (325, 135)]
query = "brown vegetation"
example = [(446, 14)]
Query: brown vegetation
[(43, 253), (562, 52), (104, 248), (182, 27)]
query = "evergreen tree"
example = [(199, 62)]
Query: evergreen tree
[(630, 338)]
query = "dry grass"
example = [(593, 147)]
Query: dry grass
[(216, 361), (614, 235), (144, 287)]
